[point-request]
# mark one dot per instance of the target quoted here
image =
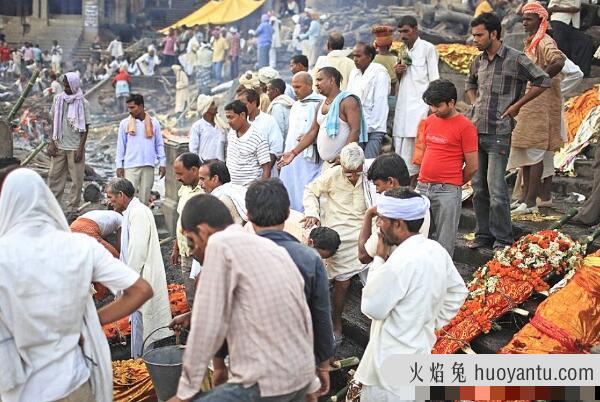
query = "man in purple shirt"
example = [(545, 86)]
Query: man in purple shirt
[(264, 37), (139, 145)]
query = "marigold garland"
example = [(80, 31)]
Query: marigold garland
[(506, 281)]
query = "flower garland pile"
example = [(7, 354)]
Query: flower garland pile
[(118, 330), (507, 281)]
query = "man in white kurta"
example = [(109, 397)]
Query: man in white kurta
[(346, 191), (371, 83), (408, 296), (415, 76), (307, 166), (140, 250)]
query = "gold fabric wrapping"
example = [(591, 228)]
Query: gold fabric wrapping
[(573, 311), (458, 56), (131, 382)]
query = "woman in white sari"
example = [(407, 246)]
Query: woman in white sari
[(51, 342)]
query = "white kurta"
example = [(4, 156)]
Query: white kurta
[(306, 166), (373, 89), (416, 291), (410, 108), (140, 250)]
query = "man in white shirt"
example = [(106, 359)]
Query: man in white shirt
[(248, 156), (577, 46), (371, 83), (337, 58), (280, 105), (140, 250), (409, 293), (207, 135), (115, 48), (415, 72), (264, 124)]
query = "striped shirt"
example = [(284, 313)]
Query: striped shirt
[(500, 83), (246, 155)]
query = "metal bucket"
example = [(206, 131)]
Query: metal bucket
[(164, 367)]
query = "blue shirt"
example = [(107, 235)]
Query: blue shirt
[(314, 32), (316, 289), (264, 34), (138, 150)]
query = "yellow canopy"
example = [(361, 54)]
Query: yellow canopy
[(218, 12)]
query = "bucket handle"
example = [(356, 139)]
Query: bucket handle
[(151, 333)]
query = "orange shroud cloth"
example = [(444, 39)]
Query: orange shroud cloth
[(90, 228), (566, 322), (131, 382), (179, 305)]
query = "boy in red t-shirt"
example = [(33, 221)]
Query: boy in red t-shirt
[(449, 160)]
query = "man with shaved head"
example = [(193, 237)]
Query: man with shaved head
[(306, 167)]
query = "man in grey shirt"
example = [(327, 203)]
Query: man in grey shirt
[(71, 115)]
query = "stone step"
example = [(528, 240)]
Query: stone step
[(585, 168), (566, 185)]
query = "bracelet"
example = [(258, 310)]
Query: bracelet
[(323, 369)]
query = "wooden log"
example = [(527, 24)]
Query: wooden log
[(452, 16)]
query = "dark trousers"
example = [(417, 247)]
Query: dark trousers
[(576, 45), (491, 201), (589, 213), (235, 67), (230, 392)]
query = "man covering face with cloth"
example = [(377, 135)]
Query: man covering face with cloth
[(409, 294)]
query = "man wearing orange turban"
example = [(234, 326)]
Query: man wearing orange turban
[(537, 133), (383, 41)]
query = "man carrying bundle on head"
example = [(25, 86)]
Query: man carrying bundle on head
[(409, 293)]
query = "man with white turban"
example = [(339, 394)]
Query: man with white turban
[(348, 197), (182, 92), (409, 293), (266, 75), (207, 135)]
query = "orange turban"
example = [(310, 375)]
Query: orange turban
[(536, 8), (383, 35)]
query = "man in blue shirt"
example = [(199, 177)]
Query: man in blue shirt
[(268, 207)]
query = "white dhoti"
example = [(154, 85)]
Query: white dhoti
[(405, 147)]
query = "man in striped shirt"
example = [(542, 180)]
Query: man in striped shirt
[(247, 151)]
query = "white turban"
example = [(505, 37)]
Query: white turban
[(352, 156), (249, 80), (266, 74), (407, 209), (204, 102)]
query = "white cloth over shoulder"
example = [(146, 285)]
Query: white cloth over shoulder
[(140, 249)]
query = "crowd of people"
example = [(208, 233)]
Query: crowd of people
[(285, 200)]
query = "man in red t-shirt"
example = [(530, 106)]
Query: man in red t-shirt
[(450, 160)]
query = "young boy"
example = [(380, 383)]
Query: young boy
[(449, 160), (325, 241)]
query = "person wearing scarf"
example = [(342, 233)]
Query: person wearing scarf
[(343, 122), (140, 250), (208, 135), (71, 119), (41, 331), (410, 292), (537, 134), (307, 166), (139, 146)]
